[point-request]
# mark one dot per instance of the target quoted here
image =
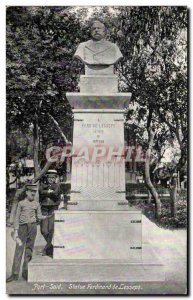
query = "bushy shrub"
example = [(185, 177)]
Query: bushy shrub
[(166, 221)]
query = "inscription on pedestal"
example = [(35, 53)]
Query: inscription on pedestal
[(98, 164)]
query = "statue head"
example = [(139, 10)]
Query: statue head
[(98, 51), (97, 30)]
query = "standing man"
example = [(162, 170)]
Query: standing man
[(49, 200), (25, 231)]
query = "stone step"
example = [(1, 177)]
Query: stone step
[(49, 270)]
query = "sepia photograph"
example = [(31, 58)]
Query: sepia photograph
[(97, 110)]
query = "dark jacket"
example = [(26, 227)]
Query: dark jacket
[(49, 198)]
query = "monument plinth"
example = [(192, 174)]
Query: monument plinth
[(99, 237), (99, 175)]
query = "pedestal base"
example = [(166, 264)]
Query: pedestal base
[(46, 269), (95, 83), (98, 235)]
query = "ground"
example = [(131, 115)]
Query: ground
[(170, 246)]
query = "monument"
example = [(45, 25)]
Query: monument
[(99, 237)]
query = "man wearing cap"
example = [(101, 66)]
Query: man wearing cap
[(25, 230), (49, 200)]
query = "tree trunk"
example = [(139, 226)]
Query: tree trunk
[(149, 184), (149, 198), (182, 161), (36, 146), (59, 130), (43, 171), (173, 197)]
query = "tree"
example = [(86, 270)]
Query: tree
[(147, 70), (41, 42), (40, 69)]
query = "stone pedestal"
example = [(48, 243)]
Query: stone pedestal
[(98, 163), (99, 237), (109, 102), (101, 270), (99, 223), (108, 84)]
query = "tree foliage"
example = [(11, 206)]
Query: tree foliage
[(154, 45), (41, 42), (40, 68)]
